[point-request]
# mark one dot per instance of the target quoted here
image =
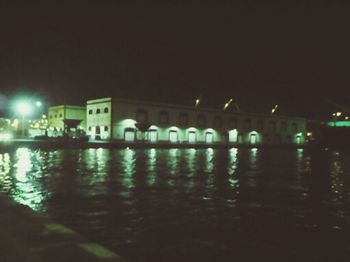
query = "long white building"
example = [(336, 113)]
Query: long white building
[(133, 121)]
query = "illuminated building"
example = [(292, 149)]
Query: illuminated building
[(141, 121), (60, 119)]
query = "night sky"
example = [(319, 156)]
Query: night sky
[(295, 55)]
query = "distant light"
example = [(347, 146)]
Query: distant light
[(309, 134), (38, 103), (338, 113), (274, 109), (227, 104), (346, 118), (5, 136), (197, 102), (43, 116), (24, 108)]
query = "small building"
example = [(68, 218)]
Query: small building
[(151, 122), (66, 119)]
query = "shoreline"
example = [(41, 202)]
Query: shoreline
[(72, 144)]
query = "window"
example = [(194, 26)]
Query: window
[(260, 125), (61, 115), (183, 119), (247, 123), (217, 122), (283, 126), (201, 121), (98, 111), (89, 128), (55, 115), (106, 110), (173, 138), (141, 116), (233, 123), (272, 125), (163, 117), (90, 112), (106, 128)]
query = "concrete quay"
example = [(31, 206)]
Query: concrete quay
[(63, 144), (30, 237)]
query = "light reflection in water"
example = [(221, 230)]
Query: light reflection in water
[(172, 165), (253, 158), (232, 166), (23, 164), (209, 167), (336, 173), (129, 168), (151, 167), (209, 156), (191, 155), (205, 184), (191, 163), (5, 178), (231, 169), (28, 190)]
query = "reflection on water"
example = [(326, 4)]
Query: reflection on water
[(191, 204)]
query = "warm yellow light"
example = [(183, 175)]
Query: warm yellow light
[(228, 103), (309, 134), (197, 101), (338, 113), (274, 109)]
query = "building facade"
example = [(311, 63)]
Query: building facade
[(132, 121), (59, 117)]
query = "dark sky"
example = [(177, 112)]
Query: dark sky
[(295, 55)]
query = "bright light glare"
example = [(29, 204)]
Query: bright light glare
[(38, 103), (5, 136), (24, 108)]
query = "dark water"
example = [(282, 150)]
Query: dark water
[(192, 205)]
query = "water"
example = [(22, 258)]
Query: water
[(192, 204)]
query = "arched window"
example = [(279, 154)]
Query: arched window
[(283, 126), (217, 123), (183, 119), (201, 121), (98, 111), (247, 123), (163, 118), (272, 126), (233, 123), (141, 116), (260, 125), (90, 112), (105, 110), (106, 128)]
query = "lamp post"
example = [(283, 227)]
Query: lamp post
[(24, 109)]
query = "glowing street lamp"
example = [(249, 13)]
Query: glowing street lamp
[(24, 108), (227, 104), (197, 102), (274, 109)]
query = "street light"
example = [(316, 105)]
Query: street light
[(24, 108)]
